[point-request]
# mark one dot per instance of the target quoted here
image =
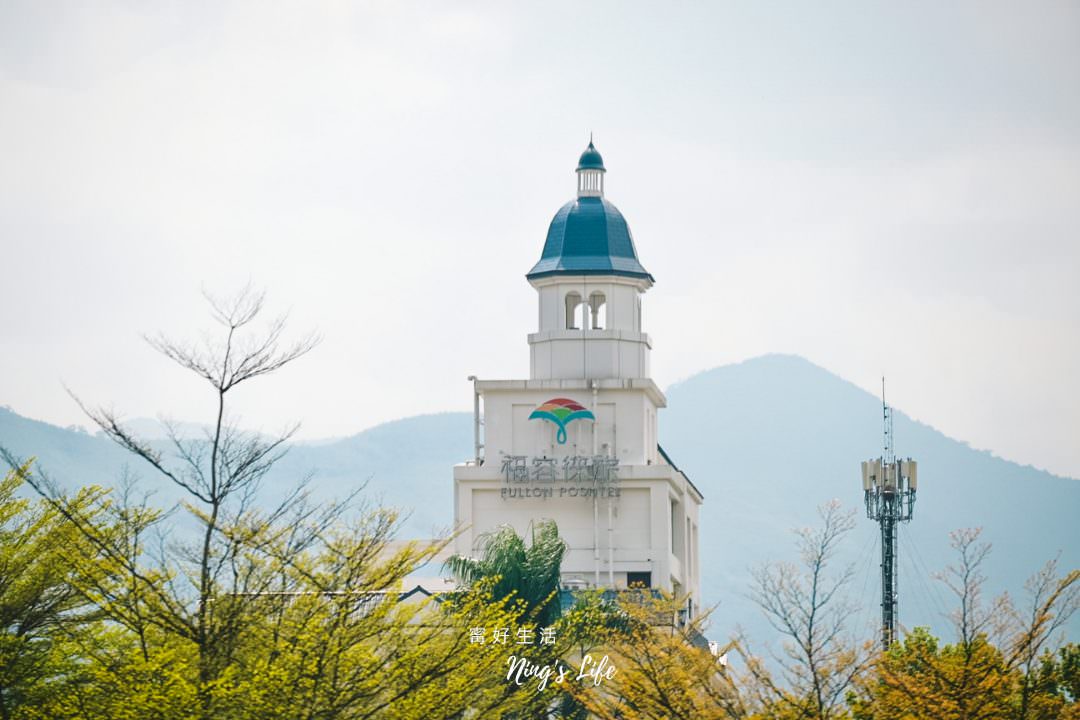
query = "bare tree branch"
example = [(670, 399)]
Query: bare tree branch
[(806, 605)]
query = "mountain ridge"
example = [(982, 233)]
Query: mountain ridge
[(675, 386)]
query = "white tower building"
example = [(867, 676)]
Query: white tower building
[(577, 441)]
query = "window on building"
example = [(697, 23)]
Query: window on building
[(598, 310), (639, 579), (674, 527), (573, 303)]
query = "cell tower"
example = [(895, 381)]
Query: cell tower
[(889, 490)]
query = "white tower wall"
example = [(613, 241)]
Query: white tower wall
[(602, 339)]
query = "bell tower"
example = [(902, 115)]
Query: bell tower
[(576, 441), (589, 284)]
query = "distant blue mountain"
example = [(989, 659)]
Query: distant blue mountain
[(405, 463), (766, 441), (70, 455), (769, 439)]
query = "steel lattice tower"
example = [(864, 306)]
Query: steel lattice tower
[(889, 491)]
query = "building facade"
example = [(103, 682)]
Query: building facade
[(576, 442)]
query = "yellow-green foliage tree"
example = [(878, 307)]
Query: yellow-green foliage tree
[(1055, 685), (663, 669), (920, 678), (1000, 666), (40, 603), (332, 639)]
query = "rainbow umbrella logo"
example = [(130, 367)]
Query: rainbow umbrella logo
[(562, 412)]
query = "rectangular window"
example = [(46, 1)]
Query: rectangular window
[(639, 579), (674, 527)]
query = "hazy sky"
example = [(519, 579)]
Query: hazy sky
[(886, 188)]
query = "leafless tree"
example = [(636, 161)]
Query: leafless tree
[(1052, 599), (805, 603), (973, 616), (1021, 633)]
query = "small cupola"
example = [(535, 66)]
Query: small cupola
[(590, 173), (589, 236)]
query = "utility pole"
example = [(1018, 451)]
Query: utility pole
[(889, 491)]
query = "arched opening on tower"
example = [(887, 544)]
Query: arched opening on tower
[(597, 311), (575, 311)]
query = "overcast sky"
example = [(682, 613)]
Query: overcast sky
[(886, 188)]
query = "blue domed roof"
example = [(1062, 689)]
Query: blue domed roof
[(591, 160), (589, 236)]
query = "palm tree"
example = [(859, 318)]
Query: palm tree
[(526, 573)]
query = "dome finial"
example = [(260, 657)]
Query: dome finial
[(590, 172)]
